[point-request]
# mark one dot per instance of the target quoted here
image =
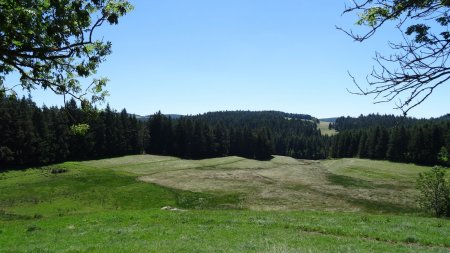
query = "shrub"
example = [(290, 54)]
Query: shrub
[(434, 191), (79, 129), (443, 156)]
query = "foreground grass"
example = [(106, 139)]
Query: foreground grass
[(103, 206), (225, 231)]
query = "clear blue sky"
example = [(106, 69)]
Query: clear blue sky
[(189, 57)]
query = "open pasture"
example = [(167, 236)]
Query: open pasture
[(228, 204)]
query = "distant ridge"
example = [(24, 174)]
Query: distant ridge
[(146, 117), (207, 114), (445, 117), (267, 113), (329, 119)]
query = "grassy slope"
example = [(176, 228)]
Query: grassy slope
[(101, 206), (323, 126)]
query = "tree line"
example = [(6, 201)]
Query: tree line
[(388, 137), (255, 135), (32, 135)]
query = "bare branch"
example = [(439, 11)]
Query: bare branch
[(419, 65)]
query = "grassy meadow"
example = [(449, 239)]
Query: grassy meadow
[(323, 126), (152, 203)]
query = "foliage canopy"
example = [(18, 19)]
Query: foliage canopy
[(434, 191), (51, 44)]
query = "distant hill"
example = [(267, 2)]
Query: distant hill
[(172, 116), (246, 115), (329, 119), (445, 117), (233, 114), (141, 118), (377, 120), (371, 121)]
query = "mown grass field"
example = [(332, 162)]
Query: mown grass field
[(226, 204)]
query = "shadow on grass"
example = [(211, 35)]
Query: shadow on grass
[(263, 158), (373, 206), (352, 182), (257, 158), (347, 181)]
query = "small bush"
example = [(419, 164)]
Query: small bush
[(434, 191), (443, 156)]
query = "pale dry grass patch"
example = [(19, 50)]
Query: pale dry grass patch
[(283, 183)]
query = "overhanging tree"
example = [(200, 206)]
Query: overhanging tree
[(52, 43), (419, 63)]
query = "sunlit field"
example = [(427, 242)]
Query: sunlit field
[(231, 204)]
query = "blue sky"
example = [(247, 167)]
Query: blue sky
[(190, 57)]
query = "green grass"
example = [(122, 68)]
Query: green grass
[(104, 206), (283, 183), (376, 171), (323, 126), (347, 181), (226, 231), (82, 189)]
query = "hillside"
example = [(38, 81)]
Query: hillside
[(227, 204)]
